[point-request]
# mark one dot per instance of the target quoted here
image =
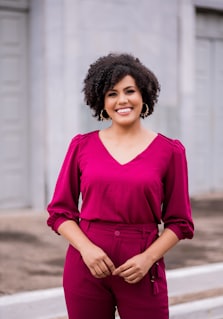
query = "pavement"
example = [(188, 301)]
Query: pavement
[(32, 256)]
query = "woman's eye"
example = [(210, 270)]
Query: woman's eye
[(130, 91), (111, 94)]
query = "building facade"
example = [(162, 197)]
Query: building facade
[(46, 47)]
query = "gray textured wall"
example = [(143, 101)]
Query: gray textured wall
[(66, 36)]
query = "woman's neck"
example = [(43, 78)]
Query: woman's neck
[(125, 131)]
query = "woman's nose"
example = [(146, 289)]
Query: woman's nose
[(122, 98)]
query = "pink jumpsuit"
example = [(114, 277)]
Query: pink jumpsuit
[(122, 205)]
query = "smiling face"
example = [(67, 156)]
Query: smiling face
[(123, 102)]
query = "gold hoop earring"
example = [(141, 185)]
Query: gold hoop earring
[(104, 115), (146, 112)]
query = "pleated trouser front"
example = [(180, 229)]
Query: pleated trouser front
[(90, 298)]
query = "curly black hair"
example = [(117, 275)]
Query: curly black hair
[(108, 70)]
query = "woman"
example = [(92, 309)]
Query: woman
[(130, 179)]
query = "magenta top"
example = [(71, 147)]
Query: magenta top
[(150, 188)]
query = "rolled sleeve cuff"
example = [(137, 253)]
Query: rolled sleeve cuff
[(181, 231), (58, 222), (54, 221)]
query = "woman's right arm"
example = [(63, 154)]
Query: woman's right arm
[(64, 214), (99, 264)]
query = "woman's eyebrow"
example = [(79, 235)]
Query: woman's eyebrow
[(130, 87), (125, 88)]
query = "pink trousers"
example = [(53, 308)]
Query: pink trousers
[(90, 298)]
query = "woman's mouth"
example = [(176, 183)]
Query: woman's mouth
[(124, 110)]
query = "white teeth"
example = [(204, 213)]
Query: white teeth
[(125, 110)]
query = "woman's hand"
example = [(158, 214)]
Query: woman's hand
[(99, 264), (134, 269)]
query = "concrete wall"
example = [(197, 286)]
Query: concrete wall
[(66, 36)]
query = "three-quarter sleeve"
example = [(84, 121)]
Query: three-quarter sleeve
[(64, 204), (176, 211)]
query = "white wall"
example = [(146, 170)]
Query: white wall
[(66, 36)]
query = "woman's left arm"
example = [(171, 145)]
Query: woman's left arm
[(135, 268), (161, 245)]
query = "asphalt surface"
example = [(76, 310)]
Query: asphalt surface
[(32, 256)]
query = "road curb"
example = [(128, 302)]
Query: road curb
[(209, 308), (39, 304), (194, 279)]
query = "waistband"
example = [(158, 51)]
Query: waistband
[(119, 229)]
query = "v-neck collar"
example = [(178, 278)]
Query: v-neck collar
[(131, 160)]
